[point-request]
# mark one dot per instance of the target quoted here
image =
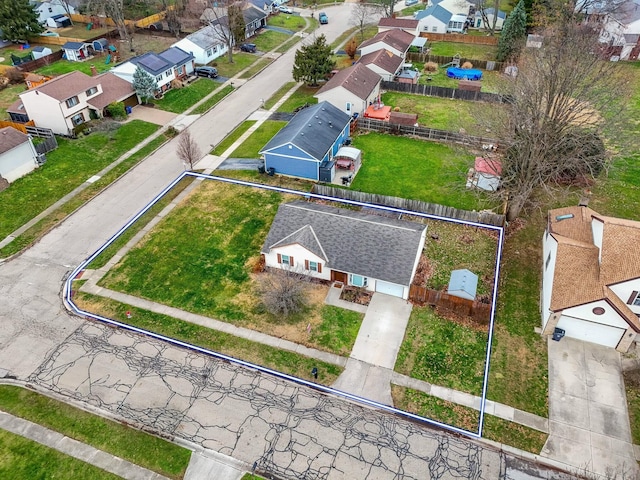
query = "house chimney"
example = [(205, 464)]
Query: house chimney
[(94, 72)]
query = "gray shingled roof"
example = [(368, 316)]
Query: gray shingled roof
[(206, 37), (353, 242), (357, 79), (313, 130), (384, 59)]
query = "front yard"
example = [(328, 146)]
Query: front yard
[(251, 147), (177, 100)]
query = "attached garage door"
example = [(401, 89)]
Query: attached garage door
[(389, 288), (591, 332)]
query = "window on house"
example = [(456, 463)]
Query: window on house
[(159, 78), (180, 70), (434, 28), (167, 73), (286, 260), (209, 52), (358, 280), (72, 102), (77, 119), (548, 261), (313, 266), (91, 91), (50, 10), (349, 107)]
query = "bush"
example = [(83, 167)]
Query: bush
[(467, 65), (116, 110), (284, 292), (431, 67), (82, 129), (14, 75)]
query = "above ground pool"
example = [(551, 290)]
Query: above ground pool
[(464, 73)]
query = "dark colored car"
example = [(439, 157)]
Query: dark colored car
[(323, 18), (210, 72), (248, 47)]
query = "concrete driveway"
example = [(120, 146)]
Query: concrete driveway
[(588, 419), (151, 115)]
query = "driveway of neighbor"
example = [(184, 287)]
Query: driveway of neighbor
[(370, 366), (588, 418), (151, 115)]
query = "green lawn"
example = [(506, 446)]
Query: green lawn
[(256, 68), (283, 361), (443, 352), (270, 39), (7, 51), (278, 95), (440, 113), (286, 46), (632, 387), (251, 147), (304, 94), (177, 100), (232, 137), (71, 164), (495, 428), (415, 169), (24, 459), (241, 60), (64, 66), (289, 22), (213, 101), (338, 329), (8, 96), (125, 442), (466, 50), (490, 79)]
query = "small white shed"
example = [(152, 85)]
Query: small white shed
[(463, 283)]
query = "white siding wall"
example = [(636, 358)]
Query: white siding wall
[(383, 73), (597, 229), (200, 54), (45, 111), (299, 254), (426, 25), (339, 96), (549, 248), (611, 317), (18, 161), (374, 47), (624, 290), (125, 71)]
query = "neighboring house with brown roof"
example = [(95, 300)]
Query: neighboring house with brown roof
[(396, 41), (351, 90), (17, 154), (383, 62), (71, 99), (409, 25), (591, 277)]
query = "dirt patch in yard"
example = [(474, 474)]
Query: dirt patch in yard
[(356, 295)]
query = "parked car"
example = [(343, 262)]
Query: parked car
[(323, 18), (285, 9), (248, 47), (210, 72)]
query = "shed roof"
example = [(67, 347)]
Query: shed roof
[(491, 166), (351, 241), (463, 280), (357, 79), (10, 138), (399, 118), (313, 130), (74, 45)]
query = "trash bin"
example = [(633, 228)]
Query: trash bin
[(129, 110), (558, 333)]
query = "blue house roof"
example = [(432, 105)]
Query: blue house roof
[(176, 56), (313, 130), (73, 45), (436, 11), (152, 63)]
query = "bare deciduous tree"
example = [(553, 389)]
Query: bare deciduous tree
[(227, 22), (188, 150), (113, 9), (563, 103), (363, 15), (482, 6), (284, 292)]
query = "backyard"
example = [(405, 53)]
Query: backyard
[(8, 96), (465, 50)]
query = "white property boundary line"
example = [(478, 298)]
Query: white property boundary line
[(69, 301)]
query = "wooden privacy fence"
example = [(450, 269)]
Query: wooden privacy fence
[(426, 133), (108, 22), (40, 62), (443, 92), (443, 60), (22, 127), (479, 312), (458, 38), (487, 218)]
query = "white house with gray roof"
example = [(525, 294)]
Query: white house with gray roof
[(378, 253), (205, 45)]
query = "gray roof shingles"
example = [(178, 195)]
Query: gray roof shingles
[(354, 242), (313, 130)]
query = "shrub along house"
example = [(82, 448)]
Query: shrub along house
[(305, 147), (591, 277), (374, 252)]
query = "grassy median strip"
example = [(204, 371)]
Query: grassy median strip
[(251, 147), (495, 428), (24, 459), (270, 357), (43, 226), (213, 101), (232, 137), (256, 68), (278, 95), (125, 442)]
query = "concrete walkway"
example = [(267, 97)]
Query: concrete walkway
[(588, 419), (78, 450)]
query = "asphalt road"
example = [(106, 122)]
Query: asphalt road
[(289, 430)]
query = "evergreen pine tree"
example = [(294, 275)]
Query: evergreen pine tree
[(18, 20), (144, 84), (313, 61), (513, 34)]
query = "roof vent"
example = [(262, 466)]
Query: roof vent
[(309, 124), (316, 116), (567, 216)]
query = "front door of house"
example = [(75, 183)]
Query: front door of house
[(339, 276)]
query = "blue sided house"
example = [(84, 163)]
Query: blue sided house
[(305, 147)]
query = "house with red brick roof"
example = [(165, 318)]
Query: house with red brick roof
[(591, 277)]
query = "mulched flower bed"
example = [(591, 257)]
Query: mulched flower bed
[(356, 295)]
